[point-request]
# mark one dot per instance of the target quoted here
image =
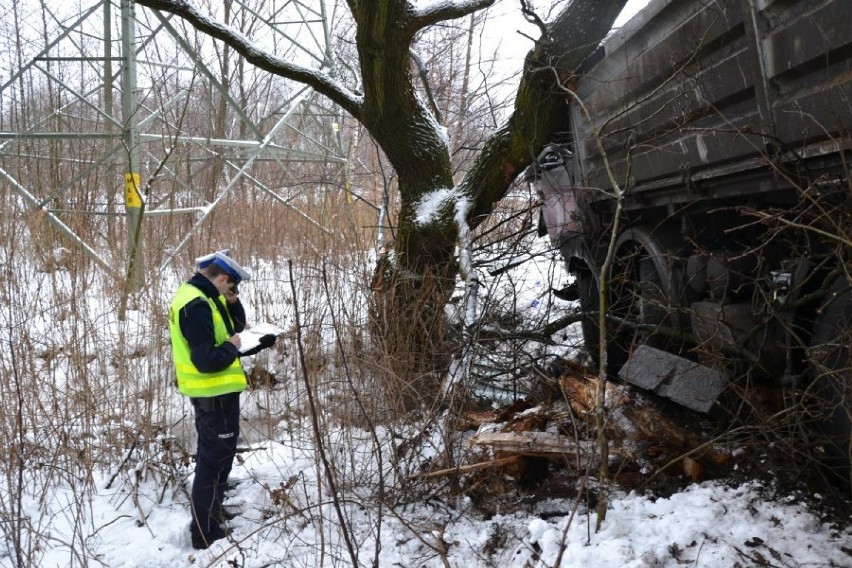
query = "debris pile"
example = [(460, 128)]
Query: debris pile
[(529, 442)]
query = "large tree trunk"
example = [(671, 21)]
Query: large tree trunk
[(417, 279), (541, 105), (420, 276), (420, 281)]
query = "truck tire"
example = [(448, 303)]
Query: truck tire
[(637, 296), (830, 389), (641, 297), (587, 292)]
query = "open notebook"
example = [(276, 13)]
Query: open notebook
[(250, 338)]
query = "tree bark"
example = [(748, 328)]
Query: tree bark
[(419, 277)]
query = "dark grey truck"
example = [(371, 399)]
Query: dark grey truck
[(718, 134)]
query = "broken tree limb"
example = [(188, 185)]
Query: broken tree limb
[(644, 427), (467, 468), (541, 444), (580, 390)]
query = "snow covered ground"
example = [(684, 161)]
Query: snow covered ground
[(708, 524), (134, 512)]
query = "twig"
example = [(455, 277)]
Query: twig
[(315, 422), (365, 415), (124, 462)]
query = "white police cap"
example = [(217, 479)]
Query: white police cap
[(228, 264)]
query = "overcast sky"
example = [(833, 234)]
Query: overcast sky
[(512, 36), (630, 9)]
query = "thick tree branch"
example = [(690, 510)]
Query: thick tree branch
[(258, 57), (540, 106), (442, 10)]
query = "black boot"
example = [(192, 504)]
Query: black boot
[(200, 542), (225, 515)]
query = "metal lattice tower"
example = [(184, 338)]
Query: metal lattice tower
[(97, 101)]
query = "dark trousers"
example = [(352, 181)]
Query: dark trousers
[(217, 423)]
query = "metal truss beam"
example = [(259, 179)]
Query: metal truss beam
[(90, 122)]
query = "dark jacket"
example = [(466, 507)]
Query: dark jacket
[(196, 324)]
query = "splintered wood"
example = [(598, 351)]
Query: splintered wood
[(581, 392), (638, 433), (502, 462), (541, 444)]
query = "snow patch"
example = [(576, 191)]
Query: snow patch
[(430, 204)]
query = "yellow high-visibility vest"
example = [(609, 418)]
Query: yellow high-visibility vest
[(191, 381)]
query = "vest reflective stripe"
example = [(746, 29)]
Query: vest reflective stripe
[(191, 381)]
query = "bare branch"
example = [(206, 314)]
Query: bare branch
[(320, 82), (423, 73), (532, 17), (440, 11)]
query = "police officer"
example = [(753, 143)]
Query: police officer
[(204, 317)]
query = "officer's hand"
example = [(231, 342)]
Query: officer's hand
[(267, 341), (232, 295), (235, 339)]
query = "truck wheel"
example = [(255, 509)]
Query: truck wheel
[(640, 296), (635, 297), (830, 389), (587, 291)]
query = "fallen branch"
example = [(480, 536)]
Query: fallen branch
[(541, 444), (581, 391), (467, 468)]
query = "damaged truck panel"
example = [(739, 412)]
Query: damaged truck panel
[(690, 92)]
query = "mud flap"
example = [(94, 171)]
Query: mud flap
[(682, 381)]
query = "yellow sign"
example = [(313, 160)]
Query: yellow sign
[(132, 198)]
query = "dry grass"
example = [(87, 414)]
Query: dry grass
[(86, 391)]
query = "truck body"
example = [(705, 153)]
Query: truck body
[(709, 162)]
